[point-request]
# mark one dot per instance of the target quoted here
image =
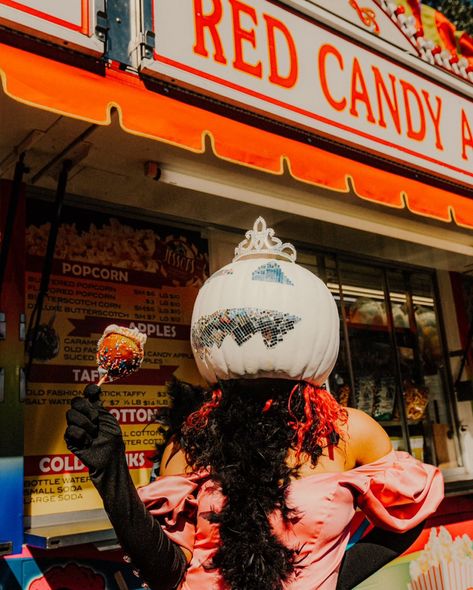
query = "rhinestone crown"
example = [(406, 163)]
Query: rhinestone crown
[(260, 240)]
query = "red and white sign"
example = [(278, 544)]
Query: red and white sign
[(274, 60), (65, 23)]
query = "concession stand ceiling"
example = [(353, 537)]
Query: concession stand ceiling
[(110, 166)]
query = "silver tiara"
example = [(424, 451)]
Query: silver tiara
[(261, 240)]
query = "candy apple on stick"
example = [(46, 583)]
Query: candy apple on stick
[(120, 352)]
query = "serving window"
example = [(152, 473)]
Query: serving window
[(392, 361)]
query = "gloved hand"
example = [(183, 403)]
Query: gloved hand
[(93, 434)]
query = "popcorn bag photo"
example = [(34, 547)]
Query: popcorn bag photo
[(444, 564)]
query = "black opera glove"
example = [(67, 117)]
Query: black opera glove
[(95, 437)]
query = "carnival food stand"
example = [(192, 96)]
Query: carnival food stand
[(130, 158)]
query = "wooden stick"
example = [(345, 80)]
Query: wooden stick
[(102, 380)]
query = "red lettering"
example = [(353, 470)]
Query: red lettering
[(359, 92), (391, 101), (419, 134), (208, 21), (435, 117), (467, 135), (240, 35), (324, 51), (275, 77)]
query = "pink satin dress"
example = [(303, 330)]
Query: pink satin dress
[(395, 492)]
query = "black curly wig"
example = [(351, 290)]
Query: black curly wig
[(184, 398), (242, 434)]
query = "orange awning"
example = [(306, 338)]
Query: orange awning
[(70, 91)]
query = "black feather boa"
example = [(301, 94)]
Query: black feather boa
[(244, 441)]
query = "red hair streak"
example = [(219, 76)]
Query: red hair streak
[(320, 408), (267, 405), (200, 418)]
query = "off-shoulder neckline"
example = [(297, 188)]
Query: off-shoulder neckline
[(202, 474)]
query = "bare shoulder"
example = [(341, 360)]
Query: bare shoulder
[(173, 461), (366, 441)]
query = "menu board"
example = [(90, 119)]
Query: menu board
[(106, 270)]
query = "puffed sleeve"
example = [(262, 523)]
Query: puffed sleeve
[(172, 499), (397, 492)]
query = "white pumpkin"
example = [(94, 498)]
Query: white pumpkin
[(265, 318)]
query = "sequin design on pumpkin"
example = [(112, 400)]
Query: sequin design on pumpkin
[(241, 324), (219, 273), (120, 352), (271, 272)]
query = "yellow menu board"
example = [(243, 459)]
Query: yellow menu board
[(106, 270)]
